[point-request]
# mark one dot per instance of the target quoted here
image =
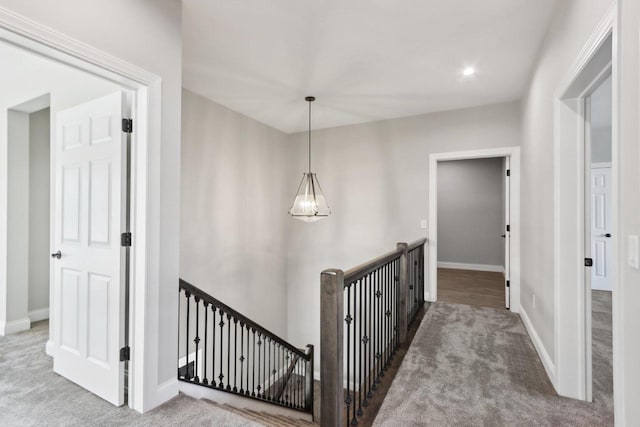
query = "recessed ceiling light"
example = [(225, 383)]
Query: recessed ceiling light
[(469, 71)]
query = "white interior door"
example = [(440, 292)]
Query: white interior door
[(601, 227), (507, 234), (89, 216)]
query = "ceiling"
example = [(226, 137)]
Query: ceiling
[(364, 60)]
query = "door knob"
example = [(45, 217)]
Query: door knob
[(57, 255), (607, 235), (503, 236)]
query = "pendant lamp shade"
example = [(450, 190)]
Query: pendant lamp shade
[(309, 204)]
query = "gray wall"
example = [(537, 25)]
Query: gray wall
[(375, 177), (39, 144), (235, 197), (470, 211), (574, 21)]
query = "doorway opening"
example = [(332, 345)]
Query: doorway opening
[(28, 185), (473, 232), (586, 194), (467, 269), (67, 181), (599, 240)]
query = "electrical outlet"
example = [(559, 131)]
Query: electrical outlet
[(423, 224), (533, 299)]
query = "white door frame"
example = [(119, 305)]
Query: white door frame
[(146, 109), (571, 296), (514, 154)]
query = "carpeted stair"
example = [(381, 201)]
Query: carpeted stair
[(264, 418)]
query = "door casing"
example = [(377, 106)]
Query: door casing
[(513, 153)]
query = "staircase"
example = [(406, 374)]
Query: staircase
[(227, 358), (264, 418)]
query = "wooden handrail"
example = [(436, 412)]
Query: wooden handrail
[(365, 268)]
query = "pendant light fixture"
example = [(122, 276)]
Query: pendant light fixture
[(309, 204)]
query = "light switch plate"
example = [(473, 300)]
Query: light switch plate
[(423, 224), (633, 250)]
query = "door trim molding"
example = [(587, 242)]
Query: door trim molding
[(571, 296), (432, 265), (144, 386)]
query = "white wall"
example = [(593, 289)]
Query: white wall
[(471, 211), (601, 123), (573, 23), (146, 33), (39, 183), (235, 196), (627, 296), (16, 279), (375, 177)]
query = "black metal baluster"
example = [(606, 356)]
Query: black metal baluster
[(213, 345), (374, 341), (347, 320), (253, 365), (186, 366), (361, 339), (235, 354), (387, 276), (270, 373), (264, 366), (221, 376), (370, 328), (206, 340), (354, 420), (241, 357), (196, 340), (259, 348), (228, 351)]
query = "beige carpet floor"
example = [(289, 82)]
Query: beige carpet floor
[(475, 366), (31, 394)]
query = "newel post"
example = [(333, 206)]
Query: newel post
[(403, 291), (308, 392), (331, 347)]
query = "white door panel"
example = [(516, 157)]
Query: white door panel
[(601, 226), (88, 218)]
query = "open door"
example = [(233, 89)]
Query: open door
[(507, 233), (88, 260)]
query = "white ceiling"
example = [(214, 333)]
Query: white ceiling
[(364, 60)]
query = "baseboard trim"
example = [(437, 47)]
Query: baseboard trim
[(40, 314), (547, 361), (163, 393), (49, 348), (14, 326), (475, 267)]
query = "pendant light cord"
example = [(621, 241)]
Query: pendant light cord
[(309, 137)]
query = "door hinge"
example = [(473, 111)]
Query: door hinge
[(125, 239), (588, 262), (508, 172), (508, 227), (125, 354), (508, 283), (127, 125)]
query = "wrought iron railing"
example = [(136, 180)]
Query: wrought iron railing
[(365, 313), (415, 254), (224, 350)]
